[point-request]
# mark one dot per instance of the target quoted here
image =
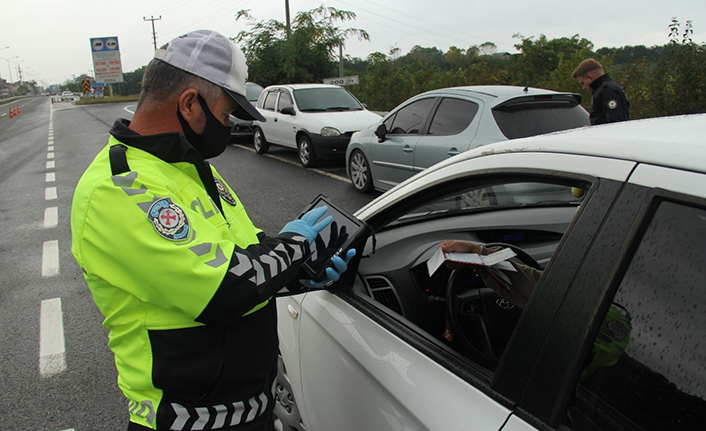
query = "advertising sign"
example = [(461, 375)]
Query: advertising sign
[(106, 59)]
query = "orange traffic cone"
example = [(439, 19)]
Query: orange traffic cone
[(18, 110), (12, 112)]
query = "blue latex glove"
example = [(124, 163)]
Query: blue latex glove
[(333, 273), (307, 226)]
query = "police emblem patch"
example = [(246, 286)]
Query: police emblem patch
[(168, 220), (224, 192), (612, 104)]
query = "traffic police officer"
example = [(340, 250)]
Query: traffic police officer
[(610, 104), (182, 276)]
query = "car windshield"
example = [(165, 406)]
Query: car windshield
[(325, 99), (532, 119), (503, 196)]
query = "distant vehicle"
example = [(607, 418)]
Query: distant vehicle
[(438, 124), (316, 119), (241, 130), (67, 96)]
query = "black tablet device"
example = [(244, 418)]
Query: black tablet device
[(335, 239)]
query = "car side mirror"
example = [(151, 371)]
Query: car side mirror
[(381, 132), (288, 110)]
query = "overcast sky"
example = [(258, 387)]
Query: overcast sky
[(50, 40)]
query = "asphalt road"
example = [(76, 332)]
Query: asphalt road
[(56, 371)]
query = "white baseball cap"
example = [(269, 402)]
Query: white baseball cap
[(215, 58)]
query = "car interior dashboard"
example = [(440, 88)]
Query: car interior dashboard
[(394, 273)]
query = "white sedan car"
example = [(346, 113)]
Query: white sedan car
[(315, 119), (613, 336)]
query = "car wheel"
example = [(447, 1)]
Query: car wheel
[(360, 174), (307, 156), (287, 416), (259, 142)]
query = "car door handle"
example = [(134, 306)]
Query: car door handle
[(275, 119), (453, 152), (292, 311), (407, 149)]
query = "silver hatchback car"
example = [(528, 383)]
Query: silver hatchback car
[(438, 124)]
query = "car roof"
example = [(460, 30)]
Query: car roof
[(492, 92), (677, 142), (302, 86)]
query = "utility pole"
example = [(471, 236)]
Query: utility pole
[(340, 59), (289, 25), (154, 34)]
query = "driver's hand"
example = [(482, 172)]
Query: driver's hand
[(459, 247)]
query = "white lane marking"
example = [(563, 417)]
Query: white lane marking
[(50, 155), (51, 217), (50, 177), (50, 147), (50, 193), (52, 356), (50, 164), (289, 162), (130, 106), (50, 258)]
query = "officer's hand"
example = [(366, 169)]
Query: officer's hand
[(333, 273), (336, 241), (307, 226)]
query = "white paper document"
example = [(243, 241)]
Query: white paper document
[(497, 260)]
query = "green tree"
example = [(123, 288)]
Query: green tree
[(455, 58), (132, 83), (308, 54), (538, 59), (431, 57)]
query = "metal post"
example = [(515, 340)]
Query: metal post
[(340, 56), (289, 26)]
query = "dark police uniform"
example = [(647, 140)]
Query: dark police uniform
[(610, 104)]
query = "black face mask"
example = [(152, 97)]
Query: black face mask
[(215, 136)]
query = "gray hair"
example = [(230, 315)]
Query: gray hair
[(162, 81)]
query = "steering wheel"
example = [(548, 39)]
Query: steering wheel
[(481, 321)]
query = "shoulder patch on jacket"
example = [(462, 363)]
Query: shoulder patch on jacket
[(168, 219), (224, 192)]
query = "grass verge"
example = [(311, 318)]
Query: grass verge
[(114, 99)]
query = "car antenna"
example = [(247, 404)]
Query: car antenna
[(526, 89)]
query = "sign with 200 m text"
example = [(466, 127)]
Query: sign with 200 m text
[(343, 80), (106, 59)]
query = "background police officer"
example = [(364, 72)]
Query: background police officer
[(610, 104), (183, 277)]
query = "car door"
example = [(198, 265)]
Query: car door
[(635, 358), (365, 364), (451, 130), (268, 105), (285, 126), (392, 160)]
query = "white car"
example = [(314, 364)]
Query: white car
[(316, 119), (613, 336), (67, 96)]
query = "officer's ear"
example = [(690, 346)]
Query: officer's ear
[(188, 105)]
